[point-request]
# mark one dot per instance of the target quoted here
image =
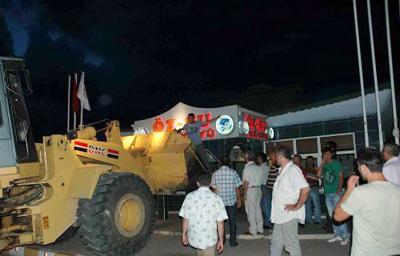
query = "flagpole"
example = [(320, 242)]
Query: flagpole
[(389, 43), (76, 81), (360, 71), (81, 122), (69, 103), (378, 107)]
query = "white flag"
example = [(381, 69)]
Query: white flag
[(82, 96)]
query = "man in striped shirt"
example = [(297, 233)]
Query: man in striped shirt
[(273, 174), (226, 182)]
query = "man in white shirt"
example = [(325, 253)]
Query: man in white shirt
[(391, 168), (203, 214), (289, 195), (252, 179), (375, 209)]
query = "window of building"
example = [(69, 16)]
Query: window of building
[(307, 146)]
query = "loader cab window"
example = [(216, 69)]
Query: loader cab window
[(24, 144)]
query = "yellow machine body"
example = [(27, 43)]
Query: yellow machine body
[(161, 158), (68, 170), (62, 179), (91, 179)]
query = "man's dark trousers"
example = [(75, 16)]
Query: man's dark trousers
[(231, 211)]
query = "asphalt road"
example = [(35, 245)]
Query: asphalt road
[(171, 246), (166, 242), (161, 245)]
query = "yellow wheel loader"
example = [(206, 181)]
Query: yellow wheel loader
[(92, 180)]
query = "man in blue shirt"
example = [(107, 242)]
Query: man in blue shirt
[(192, 129), (226, 182)]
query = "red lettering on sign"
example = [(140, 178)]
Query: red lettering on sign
[(210, 133), (170, 124), (250, 121), (208, 117), (257, 127), (200, 117), (158, 125), (203, 134), (260, 125)]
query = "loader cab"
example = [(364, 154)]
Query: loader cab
[(16, 139)]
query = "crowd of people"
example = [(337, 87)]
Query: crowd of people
[(279, 193)]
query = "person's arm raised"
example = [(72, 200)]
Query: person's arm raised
[(340, 214), (212, 120)]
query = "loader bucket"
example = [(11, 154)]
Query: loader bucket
[(168, 160)]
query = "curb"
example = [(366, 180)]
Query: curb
[(253, 237)]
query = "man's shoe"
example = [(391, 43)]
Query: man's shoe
[(248, 233), (345, 242), (335, 239), (234, 244), (267, 226)]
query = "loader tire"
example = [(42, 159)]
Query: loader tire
[(118, 219), (70, 233)]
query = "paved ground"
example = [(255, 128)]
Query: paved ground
[(173, 225), (166, 242), (161, 245), (171, 246)]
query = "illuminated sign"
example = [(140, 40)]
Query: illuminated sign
[(206, 131), (235, 122), (271, 133), (255, 127), (224, 125), (244, 127)]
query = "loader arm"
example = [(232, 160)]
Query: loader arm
[(165, 160)]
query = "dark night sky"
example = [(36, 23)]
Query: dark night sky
[(142, 57)]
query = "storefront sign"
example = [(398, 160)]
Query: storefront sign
[(254, 127), (171, 124), (271, 133), (225, 125), (233, 122)]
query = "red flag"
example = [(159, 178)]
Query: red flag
[(75, 100)]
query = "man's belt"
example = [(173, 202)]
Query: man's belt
[(254, 186)]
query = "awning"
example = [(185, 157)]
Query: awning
[(338, 110)]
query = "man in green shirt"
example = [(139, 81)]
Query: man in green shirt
[(332, 172)]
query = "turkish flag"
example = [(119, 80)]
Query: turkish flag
[(75, 100)]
